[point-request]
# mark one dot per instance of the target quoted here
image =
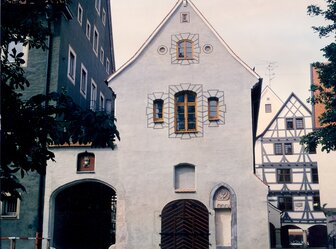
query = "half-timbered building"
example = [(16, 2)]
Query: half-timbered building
[(291, 173)]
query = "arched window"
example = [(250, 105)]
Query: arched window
[(185, 112), (158, 111), (185, 50), (213, 111)]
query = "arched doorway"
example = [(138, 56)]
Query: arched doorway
[(84, 217), (291, 236), (185, 224), (317, 236)]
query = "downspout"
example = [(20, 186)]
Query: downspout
[(47, 92)]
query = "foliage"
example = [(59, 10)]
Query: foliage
[(30, 126), (325, 93)]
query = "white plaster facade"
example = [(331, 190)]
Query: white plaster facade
[(141, 169)]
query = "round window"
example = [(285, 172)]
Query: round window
[(207, 48), (162, 49)]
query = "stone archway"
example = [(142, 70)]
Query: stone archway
[(84, 216)]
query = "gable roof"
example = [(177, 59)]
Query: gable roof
[(269, 89), (292, 95), (178, 4)]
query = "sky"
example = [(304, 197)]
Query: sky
[(274, 36)]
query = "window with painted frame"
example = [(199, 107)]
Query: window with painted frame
[(80, 14), (104, 17), (213, 109), (107, 66), (93, 100), (289, 123), (102, 55), (185, 112), (83, 80), (285, 203), (314, 175), (185, 50), (95, 40), (278, 148), (288, 148), (97, 6), (10, 206), (158, 105), (284, 176), (299, 124), (88, 30), (71, 65), (102, 102)]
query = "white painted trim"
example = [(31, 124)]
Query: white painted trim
[(72, 79), (83, 91), (80, 14), (95, 49), (88, 31)]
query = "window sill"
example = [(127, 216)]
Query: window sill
[(181, 132), (159, 121), (185, 190), (85, 172)]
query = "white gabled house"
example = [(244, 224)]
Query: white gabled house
[(182, 175)]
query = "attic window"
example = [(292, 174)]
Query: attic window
[(185, 17), (185, 50)]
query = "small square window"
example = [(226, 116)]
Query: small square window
[(80, 14), (88, 29), (9, 206), (289, 124), (185, 50), (299, 123), (284, 176), (288, 148), (85, 162), (278, 148), (268, 108), (285, 203), (185, 17), (314, 175)]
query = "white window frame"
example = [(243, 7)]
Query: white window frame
[(80, 14), (72, 78), (97, 6), (19, 48), (104, 17), (102, 54), (107, 66), (11, 215), (83, 86), (101, 102), (95, 43), (93, 97), (88, 30)]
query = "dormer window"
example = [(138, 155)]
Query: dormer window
[(185, 50)]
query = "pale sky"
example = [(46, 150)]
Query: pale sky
[(260, 32)]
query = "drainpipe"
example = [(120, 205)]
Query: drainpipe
[(47, 91)]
